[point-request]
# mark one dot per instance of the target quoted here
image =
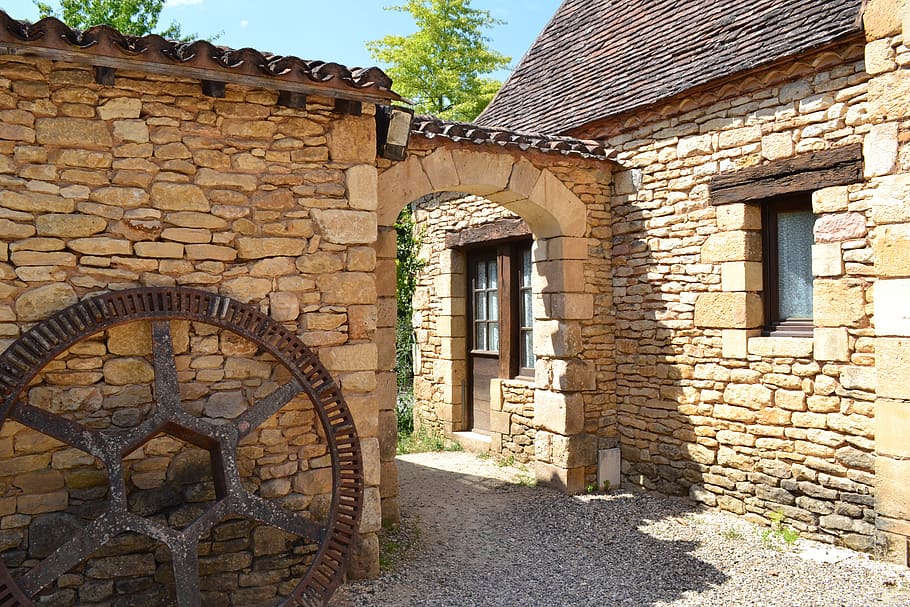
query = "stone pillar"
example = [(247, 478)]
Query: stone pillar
[(562, 449), (450, 369), (889, 105)]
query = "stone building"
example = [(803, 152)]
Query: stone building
[(730, 314)]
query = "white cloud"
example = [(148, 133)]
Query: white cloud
[(244, 24), (173, 3)]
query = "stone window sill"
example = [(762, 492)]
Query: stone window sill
[(791, 347)]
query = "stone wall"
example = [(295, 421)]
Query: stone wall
[(150, 183), (707, 407)]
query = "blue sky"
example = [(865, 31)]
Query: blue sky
[(328, 30)]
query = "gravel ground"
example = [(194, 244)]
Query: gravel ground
[(473, 534)]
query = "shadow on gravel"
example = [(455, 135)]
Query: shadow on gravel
[(484, 541)]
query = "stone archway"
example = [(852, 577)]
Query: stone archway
[(558, 220)]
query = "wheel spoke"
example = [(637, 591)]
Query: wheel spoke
[(66, 431), (186, 575), (266, 512), (68, 556), (167, 390), (256, 415)]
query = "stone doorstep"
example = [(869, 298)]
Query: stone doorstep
[(473, 442)]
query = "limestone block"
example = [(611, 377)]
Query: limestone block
[(362, 182), (247, 289), (346, 227), (738, 216), (284, 306), (732, 246), (550, 249), (729, 310), (696, 145), (735, 342), (172, 250), (880, 57), (573, 451), (827, 259), (838, 227), (573, 375), (258, 248), (882, 18), (205, 251), (889, 96), (347, 288), (789, 347), (858, 378), (357, 357), (838, 303), (830, 200), (880, 149), (559, 276), (751, 396), (482, 173), (777, 145), (41, 302), (10, 230), (558, 412), (557, 338), (72, 132), (892, 491), (100, 246), (120, 107), (741, 276), (892, 428), (892, 315), (552, 209), (735, 138), (523, 179), (353, 139), (567, 480), (68, 225), (135, 131), (568, 306), (440, 169), (131, 339), (450, 326), (892, 250), (831, 344), (889, 200), (34, 202), (892, 359), (179, 197), (125, 371), (402, 184)]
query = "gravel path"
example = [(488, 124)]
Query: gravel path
[(479, 537)]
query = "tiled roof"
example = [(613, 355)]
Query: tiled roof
[(104, 46), (431, 127), (599, 58)]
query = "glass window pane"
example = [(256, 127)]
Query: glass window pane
[(526, 268), (493, 305), (480, 305), (527, 350), (527, 309), (480, 336), (492, 272), (481, 275), (494, 337), (794, 263)]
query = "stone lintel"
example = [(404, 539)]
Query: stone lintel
[(790, 347)]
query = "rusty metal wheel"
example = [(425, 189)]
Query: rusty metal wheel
[(29, 354)]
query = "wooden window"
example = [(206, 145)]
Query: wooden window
[(525, 324), (787, 223), (485, 287)]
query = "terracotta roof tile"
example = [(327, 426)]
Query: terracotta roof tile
[(105, 46), (431, 127), (598, 58)]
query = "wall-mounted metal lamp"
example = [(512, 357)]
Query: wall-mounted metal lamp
[(393, 131)]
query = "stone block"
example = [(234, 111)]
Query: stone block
[(831, 344), (120, 107), (892, 491), (440, 169), (551, 249), (735, 342), (751, 396), (259, 248), (500, 422), (161, 250), (741, 276), (880, 150), (67, 225), (777, 145), (732, 246), (567, 480), (559, 276), (789, 347), (353, 139), (43, 301), (696, 145), (827, 260), (346, 227), (892, 359), (364, 563), (482, 173), (179, 197), (892, 250), (402, 184), (72, 132), (880, 57), (837, 227), (729, 310), (573, 375), (100, 245), (284, 306), (830, 200), (838, 303), (552, 209), (738, 216), (557, 338), (892, 316), (882, 18), (362, 183), (889, 199), (568, 306), (358, 357), (558, 412), (125, 371), (247, 289), (858, 378), (892, 428)]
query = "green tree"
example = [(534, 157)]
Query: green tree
[(442, 66), (131, 17)]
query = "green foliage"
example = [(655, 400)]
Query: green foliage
[(408, 265), (131, 17), (404, 408), (779, 534), (422, 441), (441, 66)]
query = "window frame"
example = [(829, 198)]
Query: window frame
[(774, 325)]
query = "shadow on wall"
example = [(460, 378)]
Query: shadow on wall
[(485, 541)]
